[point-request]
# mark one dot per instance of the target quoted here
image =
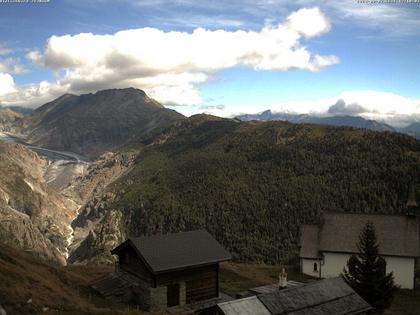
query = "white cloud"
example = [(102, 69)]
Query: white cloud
[(5, 50), (12, 65), (382, 103), (391, 20), (35, 57), (7, 84), (384, 19), (170, 65), (341, 108), (30, 95), (304, 22)]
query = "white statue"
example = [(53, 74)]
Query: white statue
[(283, 278)]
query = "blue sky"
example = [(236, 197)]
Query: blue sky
[(297, 56)]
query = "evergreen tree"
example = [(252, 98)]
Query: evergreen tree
[(366, 272)]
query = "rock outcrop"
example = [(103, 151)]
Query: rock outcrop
[(8, 119), (33, 215)]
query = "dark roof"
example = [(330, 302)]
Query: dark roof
[(177, 251), (329, 296), (339, 232), (397, 235), (309, 244), (246, 306), (115, 286), (273, 287)]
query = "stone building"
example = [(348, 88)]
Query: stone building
[(163, 271)]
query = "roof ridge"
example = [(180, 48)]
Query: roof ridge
[(398, 235), (284, 308), (176, 251), (316, 304), (167, 234)]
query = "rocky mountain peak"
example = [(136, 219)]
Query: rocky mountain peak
[(91, 124)]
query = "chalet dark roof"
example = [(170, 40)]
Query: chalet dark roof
[(397, 235), (309, 243), (325, 297), (339, 232), (177, 251)]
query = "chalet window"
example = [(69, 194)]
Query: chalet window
[(315, 267)]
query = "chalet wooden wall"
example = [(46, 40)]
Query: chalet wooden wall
[(201, 282), (129, 261)]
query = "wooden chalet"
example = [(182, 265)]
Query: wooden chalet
[(169, 270)]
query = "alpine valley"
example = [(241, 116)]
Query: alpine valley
[(82, 173)]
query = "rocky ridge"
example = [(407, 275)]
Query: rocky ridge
[(92, 124), (91, 191)]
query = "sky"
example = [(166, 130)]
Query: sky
[(218, 57)]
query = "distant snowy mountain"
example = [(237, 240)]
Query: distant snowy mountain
[(412, 130), (351, 121)]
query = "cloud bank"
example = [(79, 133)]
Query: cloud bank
[(340, 108), (391, 108), (170, 66)]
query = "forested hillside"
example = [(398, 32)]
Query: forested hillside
[(253, 184)]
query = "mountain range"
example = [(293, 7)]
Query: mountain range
[(251, 184), (92, 124), (152, 170), (350, 121), (412, 130)]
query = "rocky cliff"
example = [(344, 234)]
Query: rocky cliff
[(91, 190), (33, 215)]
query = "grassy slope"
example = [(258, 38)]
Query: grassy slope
[(406, 302), (64, 290), (253, 184), (237, 277)]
